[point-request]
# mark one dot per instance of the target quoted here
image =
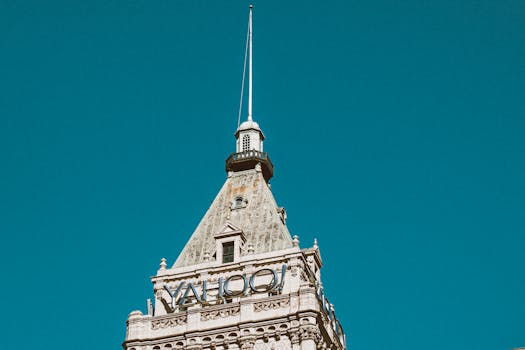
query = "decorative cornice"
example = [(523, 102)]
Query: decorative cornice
[(251, 335)]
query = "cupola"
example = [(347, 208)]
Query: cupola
[(249, 137)]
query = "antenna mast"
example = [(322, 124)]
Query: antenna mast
[(250, 66)]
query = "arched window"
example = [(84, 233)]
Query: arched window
[(246, 143)]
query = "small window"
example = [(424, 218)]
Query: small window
[(246, 143), (227, 252), (238, 203)]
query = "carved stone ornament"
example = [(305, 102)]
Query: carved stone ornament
[(247, 343), (215, 314), (304, 278), (310, 332), (295, 271), (294, 336), (169, 322), (271, 304)]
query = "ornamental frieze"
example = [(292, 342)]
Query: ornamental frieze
[(271, 304), (221, 313), (169, 322)]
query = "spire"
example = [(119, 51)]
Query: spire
[(250, 71)]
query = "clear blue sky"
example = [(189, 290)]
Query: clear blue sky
[(396, 129)]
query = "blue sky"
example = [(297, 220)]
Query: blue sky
[(396, 130)]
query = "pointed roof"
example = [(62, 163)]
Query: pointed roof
[(244, 203)]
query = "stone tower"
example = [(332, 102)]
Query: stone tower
[(241, 281)]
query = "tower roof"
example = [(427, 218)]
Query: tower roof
[(246, 201), (249, 125)]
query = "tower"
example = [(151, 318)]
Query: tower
[(241, 281)]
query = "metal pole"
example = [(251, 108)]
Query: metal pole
[(250, 66)]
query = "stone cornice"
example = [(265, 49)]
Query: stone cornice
[(297, 327), (315, 253), (243, 335), (213, 267)]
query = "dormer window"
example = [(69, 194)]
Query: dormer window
[(246, 143), (228, 243), (228, 252)]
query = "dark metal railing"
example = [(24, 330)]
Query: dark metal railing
[(249, 154), (248, 159)]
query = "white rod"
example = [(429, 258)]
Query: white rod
[(250, 72)]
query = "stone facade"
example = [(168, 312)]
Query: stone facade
[(290, 317)]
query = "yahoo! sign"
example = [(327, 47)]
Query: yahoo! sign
[(180, 295)]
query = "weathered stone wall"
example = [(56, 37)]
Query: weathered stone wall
[(260, 219)]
